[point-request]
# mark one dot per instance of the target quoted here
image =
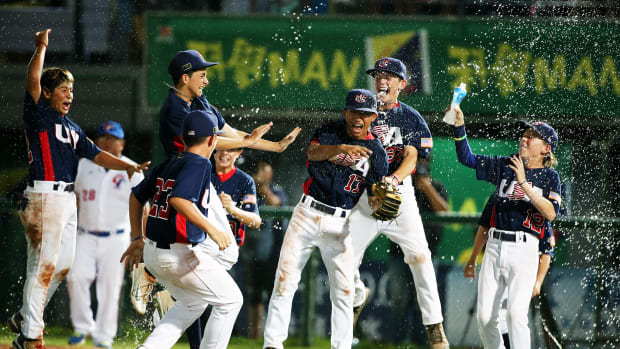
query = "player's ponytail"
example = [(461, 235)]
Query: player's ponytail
[(550, 160)]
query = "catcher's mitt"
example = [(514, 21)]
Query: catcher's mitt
[(389, 201)]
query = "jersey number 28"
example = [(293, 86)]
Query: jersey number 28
[(160, 209)]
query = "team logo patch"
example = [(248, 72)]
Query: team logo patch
[(186, 66), (555, 196), (109, 126), (118, 179), (249, 199), (191, 133), (383, 63), (427, 142), (361, 98)]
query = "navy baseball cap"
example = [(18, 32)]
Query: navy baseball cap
[(186, 62), (200, 123), (391, 65), (546, 132), (111, 128), (361, 100)]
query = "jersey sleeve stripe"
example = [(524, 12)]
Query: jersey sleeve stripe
[(46, 154)]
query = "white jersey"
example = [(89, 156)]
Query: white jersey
[(103, 196), (103, 235)]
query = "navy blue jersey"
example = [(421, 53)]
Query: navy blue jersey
[(187, 176), (242, 189), (55, 143), (547, 241), (339, 185), (513, 209), (171, 116), (401, 126)]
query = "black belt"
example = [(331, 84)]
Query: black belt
[(56, 186), (166, 245), (317, 205), (500, 235)]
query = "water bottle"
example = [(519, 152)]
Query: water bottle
[(457, 97)]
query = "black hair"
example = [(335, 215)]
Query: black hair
[(176, 79), (191, 141)]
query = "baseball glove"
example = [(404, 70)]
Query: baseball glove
[(389, 201)]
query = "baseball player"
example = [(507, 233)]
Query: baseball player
[(55, 144), (405, 137), (188, 71), (528, 196), (103, 235), (545, 248), (237, 192), (177, 222), (343, 160)]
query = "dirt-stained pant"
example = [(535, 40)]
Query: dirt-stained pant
[(309, 228), (50, 223), (407, 231)]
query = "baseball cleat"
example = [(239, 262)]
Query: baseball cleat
[(436, 336), (16, 322), (104, 345), (22, 343), (141, 288), (163, 303), (77, 339), (358, 310)]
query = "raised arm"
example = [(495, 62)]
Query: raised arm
[(233, 138), (109, 161), (320, 152), (35, 66), (463, 151)]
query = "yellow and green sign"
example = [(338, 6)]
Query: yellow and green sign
[(511, 67)]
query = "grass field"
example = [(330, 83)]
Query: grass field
[(57, 338)]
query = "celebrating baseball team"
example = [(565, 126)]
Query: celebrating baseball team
[(179, 226)]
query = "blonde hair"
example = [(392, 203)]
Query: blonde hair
[(550, 160)]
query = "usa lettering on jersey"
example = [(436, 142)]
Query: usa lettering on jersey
[(71, 135), (513, 191), (356, 163)]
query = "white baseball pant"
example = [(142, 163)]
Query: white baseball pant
[(309, 228), (407, 231), (50, 222), (97, 257), (195, 280), (218, 217), (507, 268)]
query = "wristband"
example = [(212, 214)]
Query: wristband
[(521, 183), (42, 43), (138, 237), (460, 138)]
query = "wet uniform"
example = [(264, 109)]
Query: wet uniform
[(510, 262), (55, 144), (545, 246), (396, 128), (194, 278), (319, 220)]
